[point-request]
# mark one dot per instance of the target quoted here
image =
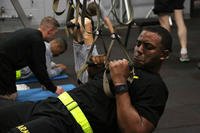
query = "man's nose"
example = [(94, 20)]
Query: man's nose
[(140, 48)]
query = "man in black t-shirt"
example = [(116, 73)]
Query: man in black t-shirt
[(25, 47), (135, 107)]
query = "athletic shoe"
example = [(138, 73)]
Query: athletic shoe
[(184, 58), (22, 87)]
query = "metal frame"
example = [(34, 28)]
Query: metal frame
[(22, 16)]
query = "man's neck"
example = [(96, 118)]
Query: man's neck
[(154, 69)]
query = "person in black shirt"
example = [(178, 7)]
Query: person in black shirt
[(135, 107), (25, 47)]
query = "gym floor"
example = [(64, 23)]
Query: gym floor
[(182, 113)]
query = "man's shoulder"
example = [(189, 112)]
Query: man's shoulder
[(147, 74), (151, 80), (148, 77), (26, 32)]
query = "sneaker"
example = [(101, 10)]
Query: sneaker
[(22, 87), (184, 58)]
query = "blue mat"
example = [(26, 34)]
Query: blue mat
[(36, 94), (34, 79)]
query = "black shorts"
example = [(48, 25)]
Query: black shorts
[(49, 116), (167, 6)]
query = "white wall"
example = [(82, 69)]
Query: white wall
[(41, 8), (37, 8)]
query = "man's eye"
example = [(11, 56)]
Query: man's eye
[(148, 46), (138, 43)]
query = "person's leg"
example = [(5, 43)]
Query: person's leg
[(14, 115), (80, 55), (9, 96), (182, 33), (5, 102), (163, 8), (49, 116), (164, 21), (40, 125)]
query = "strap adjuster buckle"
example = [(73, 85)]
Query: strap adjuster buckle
[(72, 105)]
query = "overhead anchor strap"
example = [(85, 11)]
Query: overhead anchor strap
[(55, 8)]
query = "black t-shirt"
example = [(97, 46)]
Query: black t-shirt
[(25, 47), (148, 95)]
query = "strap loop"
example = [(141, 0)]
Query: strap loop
[(55, 7)]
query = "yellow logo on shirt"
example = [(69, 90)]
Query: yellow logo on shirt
[(23, 129)]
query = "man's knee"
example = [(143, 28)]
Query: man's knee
[(9, 96)]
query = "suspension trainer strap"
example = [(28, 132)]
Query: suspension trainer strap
[(70, 11), (106, 85), (76, 28), (83, 13), (129, 11), (55, 7)]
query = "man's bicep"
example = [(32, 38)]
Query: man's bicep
[(148, 126), (151, 104)]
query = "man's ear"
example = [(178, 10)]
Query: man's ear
[(49, 30), (164, 55)]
